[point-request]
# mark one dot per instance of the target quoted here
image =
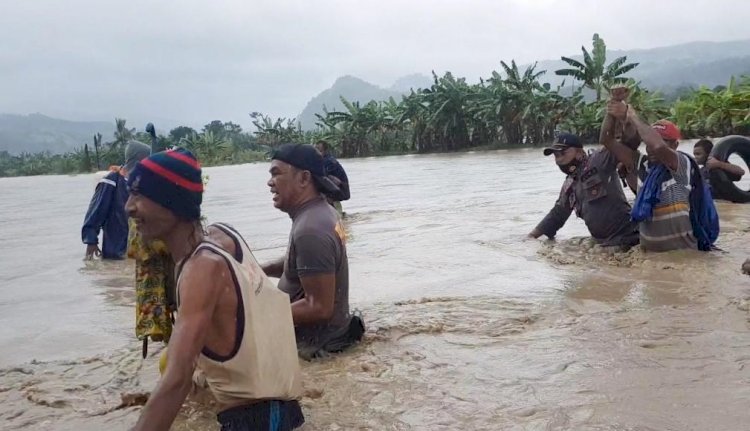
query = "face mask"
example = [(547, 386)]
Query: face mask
[(570, 168)]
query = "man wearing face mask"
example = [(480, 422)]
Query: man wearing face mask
[(592, 189)]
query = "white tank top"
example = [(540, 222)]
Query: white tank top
[(263, 364)]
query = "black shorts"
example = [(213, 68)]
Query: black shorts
[(270, 415), (343, 339)]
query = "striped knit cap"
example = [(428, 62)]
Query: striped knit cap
[(173, 180)]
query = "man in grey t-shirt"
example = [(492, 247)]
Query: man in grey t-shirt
[(315, 270), (592, 189)]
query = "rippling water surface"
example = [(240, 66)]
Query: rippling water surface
[(470, 325)]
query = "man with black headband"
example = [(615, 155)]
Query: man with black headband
[(233, 325), (315, 270), (592, 189)]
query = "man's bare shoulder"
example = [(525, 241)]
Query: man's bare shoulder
[(206, 268), (221, 239)]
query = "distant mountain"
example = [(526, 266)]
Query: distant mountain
[(352, 89), (689, 64), (411, 82), (36, 132), (664, 68)]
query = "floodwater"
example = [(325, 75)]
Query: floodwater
[(470, 326)]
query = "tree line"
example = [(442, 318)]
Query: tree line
[(509, 108)]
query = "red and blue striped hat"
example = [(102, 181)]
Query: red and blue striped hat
[(173, 180)]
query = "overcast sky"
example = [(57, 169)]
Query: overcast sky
[(194, 61)]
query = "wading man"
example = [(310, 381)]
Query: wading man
[(668, 177), (315, 270), (592, 189), (107, 209), (232, 324)]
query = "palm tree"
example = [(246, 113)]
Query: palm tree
[(592, 71), (122, 135), (97, 145)]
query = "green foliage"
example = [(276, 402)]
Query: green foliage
[(509, 108), (208, 147), (717, 112), (592, 71), (176, 134), (270, 133)]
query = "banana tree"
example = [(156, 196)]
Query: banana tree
[(208, 148), (592, 70), (271, 133), (355, 124), (446, 102), (411, 118)]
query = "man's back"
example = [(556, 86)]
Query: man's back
[(106, 212)]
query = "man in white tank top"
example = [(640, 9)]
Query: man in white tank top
[(232, 324)]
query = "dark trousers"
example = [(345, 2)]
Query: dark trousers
[(270, 415), (344, 338)]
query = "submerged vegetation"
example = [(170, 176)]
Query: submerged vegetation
[(510, 108)]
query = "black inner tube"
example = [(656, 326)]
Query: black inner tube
[(723, 184)]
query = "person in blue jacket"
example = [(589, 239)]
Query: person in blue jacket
[(107, 209)]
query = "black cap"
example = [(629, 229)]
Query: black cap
[(307, 158), (562, 142)]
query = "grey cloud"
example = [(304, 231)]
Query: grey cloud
[(194, 61)]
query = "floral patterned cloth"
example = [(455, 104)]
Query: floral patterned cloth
[(154, 287)]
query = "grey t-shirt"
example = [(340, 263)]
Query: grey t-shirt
[(317, 245), (596, 195)]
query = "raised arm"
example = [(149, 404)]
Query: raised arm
[(655, 145), (622, 153)]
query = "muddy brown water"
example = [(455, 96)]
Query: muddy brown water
[(469, 325)]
